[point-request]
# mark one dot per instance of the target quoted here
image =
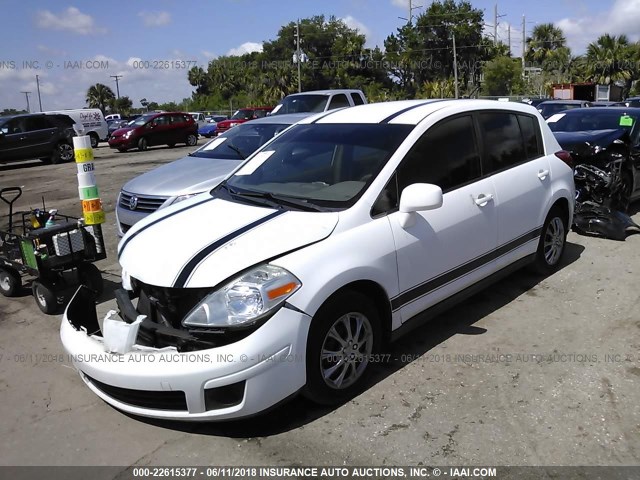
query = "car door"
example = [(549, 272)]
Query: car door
[(40, 136), (448, 248), (521, 174), (13, 145), (159, 131)]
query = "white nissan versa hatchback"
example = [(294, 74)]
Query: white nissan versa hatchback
[(346, 230)]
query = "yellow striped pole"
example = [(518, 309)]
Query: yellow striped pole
[(87, 188)]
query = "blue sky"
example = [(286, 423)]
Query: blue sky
[(119, 33)]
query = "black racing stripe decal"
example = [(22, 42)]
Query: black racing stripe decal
[(458, 272), (133, 235), (191, 265), (404, 110)]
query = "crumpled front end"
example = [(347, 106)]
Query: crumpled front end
[(174, 373)]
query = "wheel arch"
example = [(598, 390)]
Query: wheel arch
[(378, 296)]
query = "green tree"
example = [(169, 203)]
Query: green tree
[(544, 39), (423, 51), (123, 105), (609, 59), (98, 96), (198, 78), (503, 76)]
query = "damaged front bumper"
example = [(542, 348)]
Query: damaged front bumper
[(231, 381)]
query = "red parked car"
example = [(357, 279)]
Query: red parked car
[(241, 116), (152, 129)]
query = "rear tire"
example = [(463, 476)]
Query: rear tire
[(552, 242), (62, 153), (344, 333), (10, 283), (94, 139), (45, 297), (191, 140)]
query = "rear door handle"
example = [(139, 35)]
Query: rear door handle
[(542, 174), (482, 199)]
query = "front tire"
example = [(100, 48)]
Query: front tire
[(552, 242), (344, 333), (142, 144), (10, 283)]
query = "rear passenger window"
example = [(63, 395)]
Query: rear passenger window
[(37, 123), (357, 99), (503, 145), (446, 156), (530, 134), (339, 101)]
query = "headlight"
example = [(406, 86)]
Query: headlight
[(244, 300), (183, 197)]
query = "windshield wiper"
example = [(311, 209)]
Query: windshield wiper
[(238, 151), (278, 200)]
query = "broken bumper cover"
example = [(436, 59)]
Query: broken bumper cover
[(232, 381)]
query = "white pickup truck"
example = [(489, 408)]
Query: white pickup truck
[(319, 101)]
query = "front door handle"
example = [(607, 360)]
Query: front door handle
[(542, 174), (482, 199)]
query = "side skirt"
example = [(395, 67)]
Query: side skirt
[(435, 310)]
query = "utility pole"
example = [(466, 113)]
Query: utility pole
[(39, 98), (298, 56), (26, 95), (117, 77), (455, 64), (509, 38), (495, 24), (411, 9), (524, 45)]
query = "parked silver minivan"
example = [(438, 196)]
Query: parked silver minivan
[(198, 172)]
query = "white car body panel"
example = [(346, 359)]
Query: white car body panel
[(281, 232), (204, 241)]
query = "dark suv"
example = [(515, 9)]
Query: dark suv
[(44, 136), (156, 129)]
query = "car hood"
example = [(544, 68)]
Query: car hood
[(600, 138), (184, 176), (204, 241)]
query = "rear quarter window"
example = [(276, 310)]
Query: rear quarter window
[(531, 136)]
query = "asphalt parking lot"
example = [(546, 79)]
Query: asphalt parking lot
[(532, 371)]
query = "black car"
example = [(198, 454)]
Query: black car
[(605, 145), (30, 136)]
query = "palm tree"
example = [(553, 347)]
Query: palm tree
[(610, 59), (198, 78), (544, 39), (99, 96)]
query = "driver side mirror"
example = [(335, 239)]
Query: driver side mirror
[(418, 197)]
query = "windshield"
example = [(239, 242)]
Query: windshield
[(140, 120), (588, 120), (241, 141), (242, 115), (326, 165), (301, 104)]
